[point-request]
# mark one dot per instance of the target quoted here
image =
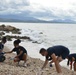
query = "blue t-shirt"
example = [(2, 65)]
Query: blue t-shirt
[(57, 50)]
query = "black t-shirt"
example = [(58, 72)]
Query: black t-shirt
[(20, 48), (57, 50)]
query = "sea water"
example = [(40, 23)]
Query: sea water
[(46, 35)]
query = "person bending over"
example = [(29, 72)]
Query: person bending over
[(21, 52), (72, 59), (56, 53)]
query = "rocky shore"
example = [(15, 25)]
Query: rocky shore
[(6, 29), (15, 33)]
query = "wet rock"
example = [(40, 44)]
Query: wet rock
[(2, 33), (41, 33), (17, 37), (9, 28)]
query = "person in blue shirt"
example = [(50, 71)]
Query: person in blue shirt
[(72, 59), (56, 54), (3, 41), (21, 52)]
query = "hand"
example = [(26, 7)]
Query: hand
[(16, 57)]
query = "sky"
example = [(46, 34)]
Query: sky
[(41, 9)]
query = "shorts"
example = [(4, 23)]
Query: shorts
[(65, 53), (21, 56)]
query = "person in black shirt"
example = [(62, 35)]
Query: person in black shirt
[(56, 54), (72, 59), (21, 52)]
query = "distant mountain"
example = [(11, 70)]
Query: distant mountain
[(27, 18), (18, 18), (63, 21)]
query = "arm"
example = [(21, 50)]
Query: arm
[(8, 52), (54, 59), (46, 61), (71, 65)]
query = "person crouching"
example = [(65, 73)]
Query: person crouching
[(21, 52)]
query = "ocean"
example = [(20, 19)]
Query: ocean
[(46, 35)]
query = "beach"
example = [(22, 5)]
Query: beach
[(42, 35), (9, 67), (45, 35)]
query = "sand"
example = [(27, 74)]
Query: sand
[(8, 67)]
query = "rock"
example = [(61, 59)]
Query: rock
[(17, 37), (9, 28), (41, 33), (9, 38), (2, 33)]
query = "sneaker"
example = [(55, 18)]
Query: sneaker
[(24, 65)]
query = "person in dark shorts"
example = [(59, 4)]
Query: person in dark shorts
[(3, 41), (72, 59), (56, 54), (21, 52)]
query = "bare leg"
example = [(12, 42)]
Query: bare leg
[(24, 59), (56, 61), (58, 67), (17, 60), (74, 66)]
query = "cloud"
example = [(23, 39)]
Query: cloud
[(54, 14), (52, 9), (12, 6)]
